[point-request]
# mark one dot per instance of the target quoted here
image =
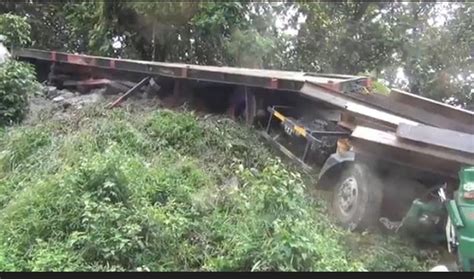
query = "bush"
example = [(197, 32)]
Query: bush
[(16, 30), (17, 80), (89, 200), (178, 131)]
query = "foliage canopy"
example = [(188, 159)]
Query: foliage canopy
[(430, 43)]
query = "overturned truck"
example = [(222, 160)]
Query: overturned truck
[(374, 153)]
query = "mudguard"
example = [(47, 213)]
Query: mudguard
[(335, 159), (332, 166)]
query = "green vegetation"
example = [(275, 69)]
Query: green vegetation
[(16, 29), (430, 43), (162, 190), (114, 191), (17, 81)]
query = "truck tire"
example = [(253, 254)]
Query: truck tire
[(356, 198)]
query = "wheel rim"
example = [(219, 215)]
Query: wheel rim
[(347, 196)]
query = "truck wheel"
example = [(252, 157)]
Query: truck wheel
[(356, 198)]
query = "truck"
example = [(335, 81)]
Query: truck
[(374, 155)]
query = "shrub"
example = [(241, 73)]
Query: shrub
[(89, 200), (17, 80), (16, 29), (179, 131)]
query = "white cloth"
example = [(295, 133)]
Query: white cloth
[(439, 268), (4, 54)]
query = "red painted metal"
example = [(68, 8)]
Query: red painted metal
[(274, 83), (76, 59), (333, 86), (184, 72)]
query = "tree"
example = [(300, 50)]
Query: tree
[(436, 59), (193, 32), (379, 39), (65, 25), (16, 30), (344, 37)]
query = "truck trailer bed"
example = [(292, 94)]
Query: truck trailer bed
[(375, 114)]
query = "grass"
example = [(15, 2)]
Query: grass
[(162, 190)]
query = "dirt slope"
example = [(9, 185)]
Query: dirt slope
[(152, 189)]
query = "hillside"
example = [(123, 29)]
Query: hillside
[(156, 190)]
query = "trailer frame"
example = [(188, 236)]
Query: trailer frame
[(371, 124)]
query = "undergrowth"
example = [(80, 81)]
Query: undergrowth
[(17, 79), (159, 191)]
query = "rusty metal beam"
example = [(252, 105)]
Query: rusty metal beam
[(354, 107), (464, 143), (398, 107), (271, 79), (384, 114), (422, 110), (386, 146), (459, 115)]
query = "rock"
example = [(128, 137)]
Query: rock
[(66, 105), (66, 94), (116, 87), (81, 100), (58, 99), (99, 91), (50, 92)]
